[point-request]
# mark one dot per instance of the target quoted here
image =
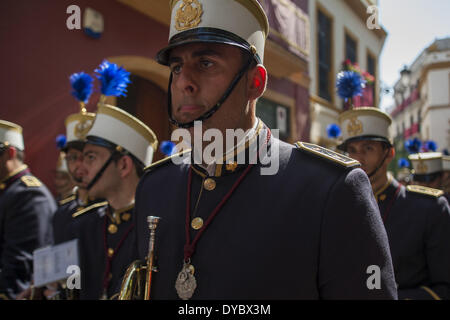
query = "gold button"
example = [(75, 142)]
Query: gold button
[(110, 276), (110, 252), (112, 228), (197, 223), (209, 184), (126, 216), (382, 197), (2, 186)]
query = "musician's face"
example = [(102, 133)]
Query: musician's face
[(94, 157), (370, 154), (201, 75), (74, 160), (435, 184)]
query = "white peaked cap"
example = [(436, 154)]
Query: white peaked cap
[(365, 123), (11, 134), (122, 129), (241, 23), (426, 163)]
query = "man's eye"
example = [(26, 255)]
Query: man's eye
[(175, 68), (206, 63)]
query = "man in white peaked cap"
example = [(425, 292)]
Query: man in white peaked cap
[(417, 219), (229, 228), (26, 210), (427, 169), (118, 147)]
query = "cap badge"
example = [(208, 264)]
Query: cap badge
[(188, 15), (355, 127), (422, 168), (82, 128)]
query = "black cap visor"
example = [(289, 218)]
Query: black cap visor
[(204, 35), (343, 146)]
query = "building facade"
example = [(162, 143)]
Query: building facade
[(422, 99), (340, 37)]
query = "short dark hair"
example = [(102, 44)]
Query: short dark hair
[(20, 155), (137, 164)]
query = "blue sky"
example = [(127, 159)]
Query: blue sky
[(412, 25)]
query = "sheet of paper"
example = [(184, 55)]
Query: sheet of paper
[(50, 263)]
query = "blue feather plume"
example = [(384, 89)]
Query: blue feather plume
[(413, 146), (403, 163), (431, 146), (349, 84), (114, 79), (167, 147), (333, 131), (82, 85), (61, 141)]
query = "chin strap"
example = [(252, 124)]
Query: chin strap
[(216, 107), (103, 168), (379, 166)]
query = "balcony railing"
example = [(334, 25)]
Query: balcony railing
[(411, 131), (414, 96)]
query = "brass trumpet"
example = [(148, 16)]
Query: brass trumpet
[(137, 282)]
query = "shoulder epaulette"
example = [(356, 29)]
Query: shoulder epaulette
[(328, 154), (425, 190), (67, 199), (164, 161), (87, 209), (30, 181)]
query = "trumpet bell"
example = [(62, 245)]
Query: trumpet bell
[(133, 283)]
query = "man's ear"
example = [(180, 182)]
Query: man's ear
[(258, 82), (391, 154), (125, 166)]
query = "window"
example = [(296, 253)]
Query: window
[(275, 116), (325, 54), (350, 49), (419, 120), (372, 69)]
